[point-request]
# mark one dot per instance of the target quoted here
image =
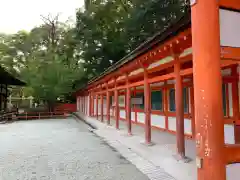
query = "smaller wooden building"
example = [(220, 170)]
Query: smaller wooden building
[(6, 80)]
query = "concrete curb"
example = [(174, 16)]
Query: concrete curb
[(83, 120), (145, 166)]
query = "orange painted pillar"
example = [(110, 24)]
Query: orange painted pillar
[(147, 109), (97, 106), (89, 104), (128, 107), (101, 107), (108, 107), (93, 105), (235, 100), (116, 106), (83, 104), (79, 103), (179, 111), (165, 106), (192, 111), (208, 90)]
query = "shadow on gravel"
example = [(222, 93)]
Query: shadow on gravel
[(103, 142), (79, 118)]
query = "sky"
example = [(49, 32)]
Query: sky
[(18, 15)]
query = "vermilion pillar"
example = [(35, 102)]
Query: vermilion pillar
[(101, 107), (208, 90), (89, 104), (84, 104), (147, 108), (235, 100), (79, 103), (165, 106), (93, 105), (116, 106), (128, 106), (97, 106), (108, 107), (179, 111)]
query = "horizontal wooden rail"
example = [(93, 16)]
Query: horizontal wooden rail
[(41, 115), (232, 153)]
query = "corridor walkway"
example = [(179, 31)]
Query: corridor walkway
[(60, 149)]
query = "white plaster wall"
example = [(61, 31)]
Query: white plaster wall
[(141, 117), (229, 134), (121, 101), (233, 171), (111, 111), (158, 121), (95, 106), (188, 126), (99, 107), (229, 28), (122, 114), (139, 87), (230, 100), (172, 123), (77, 103), (171, 81), (186, 52), (157, 84), (226, 72), (173, 126), (104, 107), (161, 61), (133, 116)]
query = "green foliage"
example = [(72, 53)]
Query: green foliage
[(54, 56), (45, 58), (107, 30)]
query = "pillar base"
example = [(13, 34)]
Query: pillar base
[(127, 134), (149, 144), (183, 159)]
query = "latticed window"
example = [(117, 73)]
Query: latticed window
[(157, 100)]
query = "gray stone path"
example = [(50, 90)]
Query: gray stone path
[(59, 150)]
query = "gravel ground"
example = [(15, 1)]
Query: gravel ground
[(59, 150)]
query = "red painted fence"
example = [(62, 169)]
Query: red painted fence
[(66, 107)]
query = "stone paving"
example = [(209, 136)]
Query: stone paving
[(59, 150), (160, 156)]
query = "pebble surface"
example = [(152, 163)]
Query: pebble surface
[(60, 149)]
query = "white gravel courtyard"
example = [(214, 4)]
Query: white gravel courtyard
[(60, 149)]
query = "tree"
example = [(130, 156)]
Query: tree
[(108, 30), (45, 58)]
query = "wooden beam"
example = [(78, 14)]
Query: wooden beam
[(230, 53), (232, 4), (232, 153)]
